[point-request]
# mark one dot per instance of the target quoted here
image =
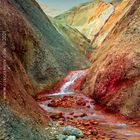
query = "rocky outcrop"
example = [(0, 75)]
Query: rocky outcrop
[(114, 78)]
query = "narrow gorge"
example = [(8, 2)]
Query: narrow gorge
[(75, 76)]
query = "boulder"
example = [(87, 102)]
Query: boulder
[(68, 130)]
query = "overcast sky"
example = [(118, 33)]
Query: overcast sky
[(55, 7)]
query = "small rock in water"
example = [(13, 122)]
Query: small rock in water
[(71, 138), (62, 137), (56, 115), (80, 115), (71, 131)]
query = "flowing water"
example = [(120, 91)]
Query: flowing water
[(65, 90), (129, 132), (66, 87)]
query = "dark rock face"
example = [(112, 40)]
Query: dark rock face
[(50, 55), (113, 80)]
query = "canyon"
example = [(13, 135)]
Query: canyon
[(79, 69)]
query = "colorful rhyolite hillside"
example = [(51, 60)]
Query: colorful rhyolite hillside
[(91, 18), (88, 18), (113, 29), (39, 51), (113, 79)]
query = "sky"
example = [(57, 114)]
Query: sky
[(56, 7)]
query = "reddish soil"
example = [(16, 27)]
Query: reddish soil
[(78, 111)]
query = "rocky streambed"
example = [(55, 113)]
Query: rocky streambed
[(78, 114)]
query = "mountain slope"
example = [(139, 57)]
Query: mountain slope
[(51, 55), (88, 18), (113, 80), (74, 37), (20, 115), (95, 19), (33, 55), (118, 13)]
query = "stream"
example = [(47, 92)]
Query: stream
[(120, 127)]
